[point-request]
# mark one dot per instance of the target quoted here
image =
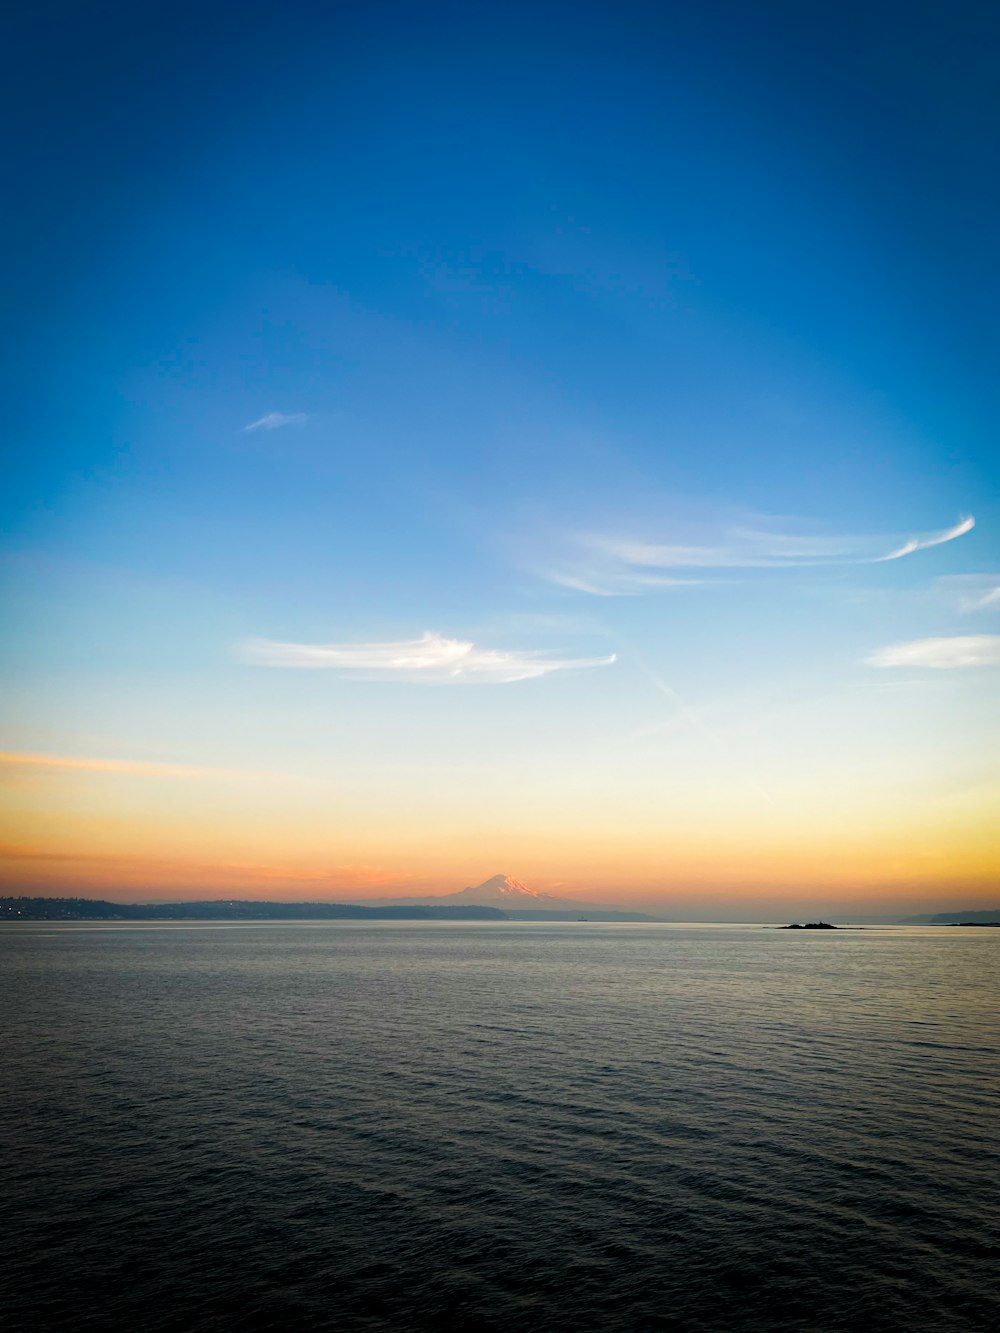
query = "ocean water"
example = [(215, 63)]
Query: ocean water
[(350, 1126)]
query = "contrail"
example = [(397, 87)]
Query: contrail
[(691, 715)]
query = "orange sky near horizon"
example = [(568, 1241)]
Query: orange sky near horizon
[(132, 830)]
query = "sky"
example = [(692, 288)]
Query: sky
[(549, 439)]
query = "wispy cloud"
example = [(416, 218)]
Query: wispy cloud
[(616, 566), (601, 585), (944, 654), (17, 759), (974, 592), (912, 544), (431, 657), (15, 852), (274, 420)]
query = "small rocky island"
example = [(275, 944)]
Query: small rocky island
[(810, 925)]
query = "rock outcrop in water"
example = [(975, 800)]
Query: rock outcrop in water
[(809, 925)]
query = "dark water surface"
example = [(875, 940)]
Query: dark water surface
[(356, 1127)]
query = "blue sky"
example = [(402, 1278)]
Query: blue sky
[(570, 333)]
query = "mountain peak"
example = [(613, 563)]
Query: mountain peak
[(501, 889), (510, 894), (507, 886)]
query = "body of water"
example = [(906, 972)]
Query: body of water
[(584, 1127)]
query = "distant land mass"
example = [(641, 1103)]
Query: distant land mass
[(970, 917), (229, 909), (519, 903), (500, 898)]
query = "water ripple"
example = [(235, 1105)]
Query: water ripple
[(525, 1128)]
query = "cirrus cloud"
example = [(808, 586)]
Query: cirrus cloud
[(616, 565), (274, 420), (929, 539), (19, 759), (974, 592), (943, 654), (432, 657)]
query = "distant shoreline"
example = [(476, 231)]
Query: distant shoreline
[(232, 909), (99, 909), (74, 909)]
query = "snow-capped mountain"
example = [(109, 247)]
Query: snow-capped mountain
[(515, 898), (497, 891), (503, 891)]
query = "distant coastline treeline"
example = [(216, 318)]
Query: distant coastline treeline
[(242, 909), (97, 909)]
